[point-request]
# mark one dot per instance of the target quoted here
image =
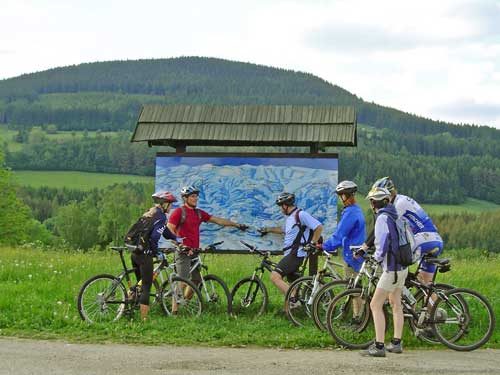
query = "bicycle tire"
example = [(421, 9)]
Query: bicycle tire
[(419, 298), (102, 298), (216, 296), (467, 311), (186, 306), (340, 323), (249, 297), (322, 300), (297, 296)]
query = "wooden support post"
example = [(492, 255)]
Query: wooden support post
[(180, 148)]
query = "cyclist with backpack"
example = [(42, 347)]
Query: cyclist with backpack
[(425, 234), (387, 245), (185, 222), (145, 235), (300, 228)]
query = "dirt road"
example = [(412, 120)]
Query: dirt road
[(19, 357)]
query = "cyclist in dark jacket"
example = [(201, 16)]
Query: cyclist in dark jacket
[(142, 261)]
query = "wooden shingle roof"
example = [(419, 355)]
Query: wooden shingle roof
[(246, 125)]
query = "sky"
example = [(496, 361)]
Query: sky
[(439, 59)]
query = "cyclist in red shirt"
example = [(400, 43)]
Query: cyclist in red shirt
[(185, 222)]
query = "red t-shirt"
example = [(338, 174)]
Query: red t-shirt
[(190, 228)]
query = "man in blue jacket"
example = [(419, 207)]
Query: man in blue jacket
[(350, 229)]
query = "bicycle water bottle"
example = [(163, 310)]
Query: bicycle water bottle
[(409, 297)]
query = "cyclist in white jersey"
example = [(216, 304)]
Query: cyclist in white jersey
[(425, 233)]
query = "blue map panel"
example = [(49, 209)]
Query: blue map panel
[(243, 189)]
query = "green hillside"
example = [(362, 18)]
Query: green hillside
[(434, 162)]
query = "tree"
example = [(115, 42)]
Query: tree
[(15, 216)]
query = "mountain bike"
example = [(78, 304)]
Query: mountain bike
[(105, 298), (249, 295), (460, 318), (214, 291), (348, 318), (300, 296)]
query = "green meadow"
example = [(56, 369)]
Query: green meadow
[(39, 290), (74, 180)]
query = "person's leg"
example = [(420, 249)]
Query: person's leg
[(277, 280), (286, 266), (397, 312), (356, 305), (147, 282), (376, 305), (182, 267)]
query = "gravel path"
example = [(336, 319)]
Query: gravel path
[(21, 356)]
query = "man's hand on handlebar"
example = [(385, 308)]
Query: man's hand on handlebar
[(312, 247)]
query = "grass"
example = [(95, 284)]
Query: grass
[(74, 180), (39, 290)]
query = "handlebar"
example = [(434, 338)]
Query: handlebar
[(253, 249), (184, 249)]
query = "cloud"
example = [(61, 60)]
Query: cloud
[(468, 110)]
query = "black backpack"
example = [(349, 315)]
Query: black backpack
[(138, 235)]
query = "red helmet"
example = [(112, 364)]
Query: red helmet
[(163, 196)]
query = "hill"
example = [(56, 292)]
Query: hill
[(435, 162)]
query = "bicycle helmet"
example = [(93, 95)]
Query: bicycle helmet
[(163, 197), (379, 194), (188, 190), (346, 187), (285, 198), (385, 182)]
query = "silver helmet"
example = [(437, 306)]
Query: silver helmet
[(188, 190), (285, 198), (346, 187), (379, 194)]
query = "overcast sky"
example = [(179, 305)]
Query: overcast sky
[(439, 59)]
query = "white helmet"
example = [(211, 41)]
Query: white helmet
[(379, 194), (346, 187), (188, 190)]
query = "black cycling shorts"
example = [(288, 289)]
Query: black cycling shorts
[(289, 265)]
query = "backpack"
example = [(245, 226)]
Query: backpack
[(405, 254), (302, 228), (139, 233)]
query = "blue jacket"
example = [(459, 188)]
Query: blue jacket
[(159, 228), (386, 238), (351, 231)]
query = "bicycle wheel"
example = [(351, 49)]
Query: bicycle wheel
[(180, 297), (249, 297), (216, 294), (349, 320), (463, 313), (425, 333), (322, 300), (101, 299), (298, 302)]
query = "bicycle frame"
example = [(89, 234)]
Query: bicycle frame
[(328, 269)]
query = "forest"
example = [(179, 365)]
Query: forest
[(434, 162)]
